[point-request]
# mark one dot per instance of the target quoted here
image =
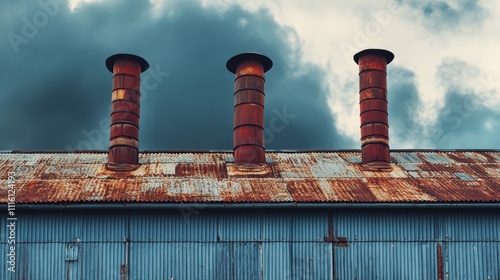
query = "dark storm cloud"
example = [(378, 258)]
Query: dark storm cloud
[(56, 90), (464, 121), (55, 81), (441, 16), (404, 103), (304, 97)]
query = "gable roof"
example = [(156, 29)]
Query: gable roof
[(302, 177)]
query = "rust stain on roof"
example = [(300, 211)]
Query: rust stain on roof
[(313, 177)]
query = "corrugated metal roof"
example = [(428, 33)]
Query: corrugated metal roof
[(317, 177)]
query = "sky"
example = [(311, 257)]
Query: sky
[(55, 91)]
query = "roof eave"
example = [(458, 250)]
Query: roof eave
[(217, 206)]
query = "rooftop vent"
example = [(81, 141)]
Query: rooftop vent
[(248, 132), (125, 106), (373, 107)]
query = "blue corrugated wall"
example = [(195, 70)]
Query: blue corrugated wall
[(253, 244)]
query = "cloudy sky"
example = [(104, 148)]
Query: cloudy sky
[(444, 83)]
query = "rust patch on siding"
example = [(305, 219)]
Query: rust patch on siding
[(330, 237), (123, 272), (440, 263), (341, 242)]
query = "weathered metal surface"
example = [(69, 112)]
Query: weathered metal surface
[(386, 260), (67, 245), (200, 243), (173, 260), (316, 177), (185, 224), (472, 260), (248, 133), (37, 261), (380, 225), (125, 107), (440, 266), (418, 225), (462, 225), (373, 106), (418, 244), (261, 225)]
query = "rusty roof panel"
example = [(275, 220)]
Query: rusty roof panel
[(352, 190), (316, 177), (329, 169), (215, 170), (408, 166), (436, 157), (492, 171), (401, 190), (350, 157), (495, 155), (147, 158), (455, 189), (303, 190), (408, 157)]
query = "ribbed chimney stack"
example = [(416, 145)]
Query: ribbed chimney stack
[(125, 106), (248, 133), (373, 107)]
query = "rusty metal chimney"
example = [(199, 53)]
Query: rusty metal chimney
[(125, 105), (248, 132), (373, 107)]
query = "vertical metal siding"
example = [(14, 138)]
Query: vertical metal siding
[(277, 226), (386, 260), (101, 260), (40, 261), (50, 226), (105, 227), (239, 260), (193, 224), (473, 260), (255, 244), (309, 225), (240, 226), (277, 260), (311, 260), (387, 225), (224, 260), (403, 245), (177, 260), (70, 226), (478, 225), (4, 273), (273, 225)]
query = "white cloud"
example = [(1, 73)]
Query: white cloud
[(74, 4), (325, 26), (326, 29)]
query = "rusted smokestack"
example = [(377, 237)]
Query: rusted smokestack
[(248, 133), (373, 107), (125, 105)]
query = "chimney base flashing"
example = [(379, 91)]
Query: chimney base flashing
[(242, 169), (377, 166), (121, 167)]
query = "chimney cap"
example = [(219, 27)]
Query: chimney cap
[(233, 62), (389, 56), (111, 60)]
